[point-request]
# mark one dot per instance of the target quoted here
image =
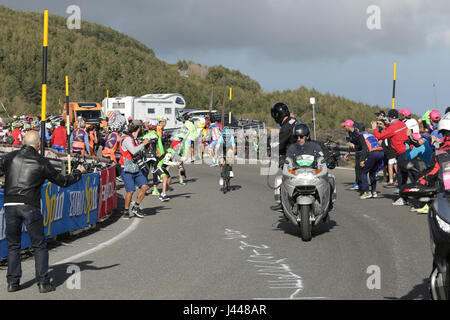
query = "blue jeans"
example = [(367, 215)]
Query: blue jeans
[(31, 216), (59, 148), (371, 167)]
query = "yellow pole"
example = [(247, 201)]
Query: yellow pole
[(107, 102), (68, 126), (393, 90), (229, 116), (44, 82)]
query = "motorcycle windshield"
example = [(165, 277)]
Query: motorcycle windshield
[(305, 160), (443, 207)]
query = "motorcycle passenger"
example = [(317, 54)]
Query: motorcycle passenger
[(372, 157), (282, 116), (303, 145)]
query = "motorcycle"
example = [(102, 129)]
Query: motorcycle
[(307, 192), (439, 227)]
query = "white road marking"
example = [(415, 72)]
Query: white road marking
[(103, 245), (302, 298), (282, 276), (344, 168)]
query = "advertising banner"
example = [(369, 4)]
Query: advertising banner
[(108, 195), (63, 209)]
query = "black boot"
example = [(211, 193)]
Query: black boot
[(46, 287)]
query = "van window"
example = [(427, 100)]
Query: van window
[(168, 111), (150, 110), (178, 100), (118, 105), (90, 114)]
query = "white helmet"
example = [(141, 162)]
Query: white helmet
[(444, 123)]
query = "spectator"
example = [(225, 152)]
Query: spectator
[(412, 124), (17, 134), (390, 159), (397, 132), (355, 144), (92, 139), (59, 137), (79, 140), (435, 117), (371, 162), (48, 137), (25, 172), (131, 174)]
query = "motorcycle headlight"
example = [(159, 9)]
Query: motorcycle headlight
[(443, 225)]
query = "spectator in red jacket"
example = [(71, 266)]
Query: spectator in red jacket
[(59, 138), (397, 132), (17, 135)]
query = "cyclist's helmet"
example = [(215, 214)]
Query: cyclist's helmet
[(301, 130), (279, 111), (187, 116)]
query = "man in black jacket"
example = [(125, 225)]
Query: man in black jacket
[(25, 172), (282, 116)]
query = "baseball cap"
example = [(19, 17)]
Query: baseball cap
[(130, 118), (379, 113), (348, 122), (393, 114), (405, 112), (435, 115)]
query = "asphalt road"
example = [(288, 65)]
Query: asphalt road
[(203, 244)]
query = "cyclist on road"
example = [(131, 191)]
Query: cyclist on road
[(228, 140)]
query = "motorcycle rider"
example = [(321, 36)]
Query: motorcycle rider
[(282, 116), (303, 145)]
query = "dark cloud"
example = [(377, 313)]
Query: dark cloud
[(275, 29)]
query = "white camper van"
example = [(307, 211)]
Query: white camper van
[(149, 107)]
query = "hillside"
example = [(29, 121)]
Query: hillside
[(97, 58)]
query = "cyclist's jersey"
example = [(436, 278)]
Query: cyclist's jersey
[(231, 143), (214, 132), (156, 142)]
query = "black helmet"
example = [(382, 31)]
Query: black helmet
[(279, 111), (301, 130), (186, 116)]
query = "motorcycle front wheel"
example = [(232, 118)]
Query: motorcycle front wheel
[(305, 224)]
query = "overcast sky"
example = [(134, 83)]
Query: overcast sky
[(284, 44)]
